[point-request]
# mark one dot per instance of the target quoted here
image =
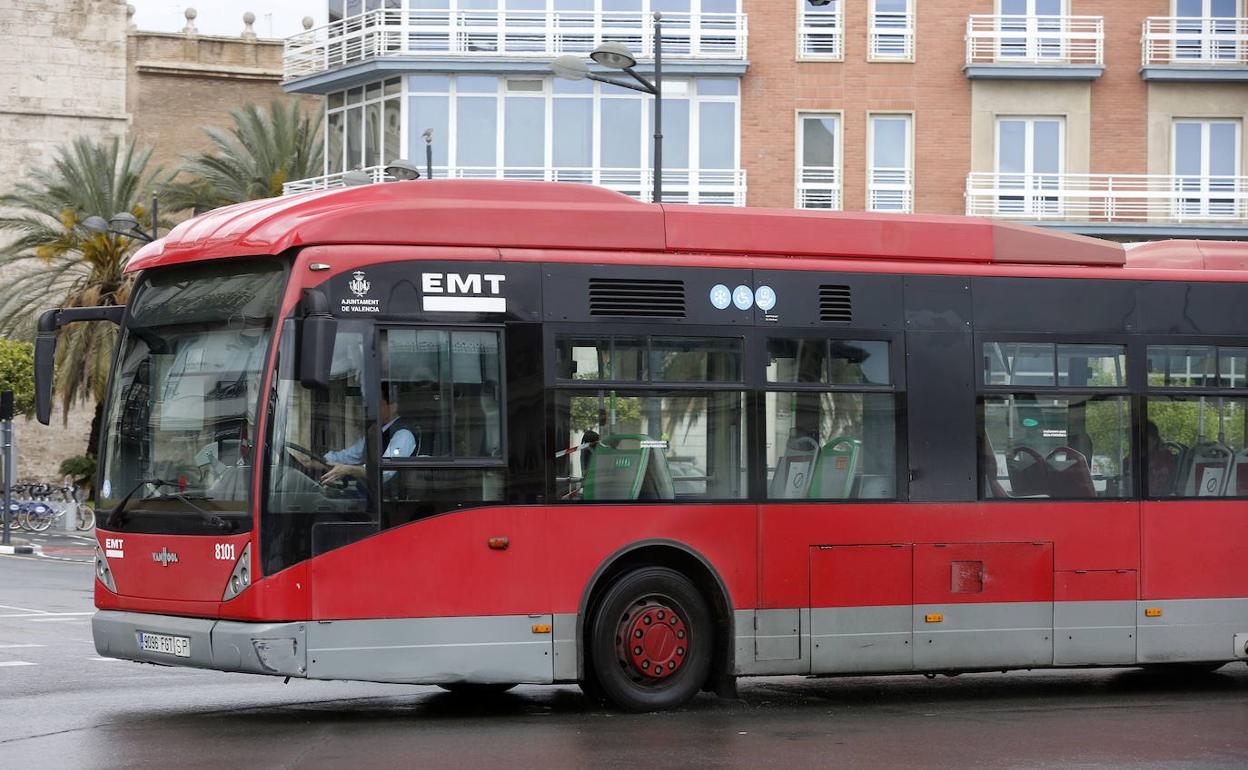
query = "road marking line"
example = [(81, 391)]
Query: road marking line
[(13, 663), (109, 660), (19, 609), (57, 620), (46, 615), (19, 646)]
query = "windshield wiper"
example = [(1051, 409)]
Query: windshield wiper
[(207, 516)]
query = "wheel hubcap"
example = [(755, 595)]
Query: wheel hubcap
[(652, 640)]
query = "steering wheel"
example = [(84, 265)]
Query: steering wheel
[(308, 469)]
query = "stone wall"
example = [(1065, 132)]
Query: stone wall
[(179, 84), (64, 75)]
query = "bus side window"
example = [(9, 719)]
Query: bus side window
[(441, 422), (1196, 446)]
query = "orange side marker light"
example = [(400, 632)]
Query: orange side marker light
[(499, 543), (541, 628), (934, 617), (1152, 612)]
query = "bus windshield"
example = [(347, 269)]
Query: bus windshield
[(182, 411)]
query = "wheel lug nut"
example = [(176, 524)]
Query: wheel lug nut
[(646, 620), (662, 615), (680, 650), (637, 650), (680, 634), (639, 634), (645, 664)]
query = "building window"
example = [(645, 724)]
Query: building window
[(890, 182), (1206, 168), (819, 161), (821, 29), (831, 411), (1196, 420), (1207, 30), (892, 30), (363, 126), (1030, 162), (1056, 421), (1032, 29), (488, 127)]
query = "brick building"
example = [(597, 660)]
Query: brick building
[(1118, 118)]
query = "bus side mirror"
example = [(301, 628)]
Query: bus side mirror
[(50, 322), (316, 340)]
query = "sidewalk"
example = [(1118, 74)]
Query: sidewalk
[(61, 546)]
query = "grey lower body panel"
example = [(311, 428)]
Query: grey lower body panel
[(1191, 630), (503, 649), (277, 649)]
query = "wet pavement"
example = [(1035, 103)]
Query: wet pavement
[(64, 707)]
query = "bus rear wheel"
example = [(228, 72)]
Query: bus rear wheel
[(651, 640)]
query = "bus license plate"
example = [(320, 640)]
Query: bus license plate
[(179, 646)]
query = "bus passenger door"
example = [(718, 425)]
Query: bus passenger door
[(860, 616), (983, 605)]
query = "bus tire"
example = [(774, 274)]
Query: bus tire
[(651, 640), (476, 689)]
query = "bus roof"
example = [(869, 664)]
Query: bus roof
[(555, 216)]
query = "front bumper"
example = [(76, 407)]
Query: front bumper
[(277, 649)]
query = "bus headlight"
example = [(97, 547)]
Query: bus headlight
[(103, 572), (240, 578)]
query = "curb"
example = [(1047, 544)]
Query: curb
[(17, 550)]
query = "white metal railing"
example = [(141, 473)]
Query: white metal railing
[(821, 34), (1035, 40), (1194, 40), (725, 187), (509, 33), (1109, 198), (819, 187), (892, 35), (891, 189)]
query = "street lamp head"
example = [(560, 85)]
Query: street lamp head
[(96, 225), (614, 56), (123, 222), (402, 170), (428, 135), (570, 68), (356, 178)]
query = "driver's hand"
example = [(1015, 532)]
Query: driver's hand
[(342, 472)]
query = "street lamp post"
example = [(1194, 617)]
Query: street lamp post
[(617, 56)]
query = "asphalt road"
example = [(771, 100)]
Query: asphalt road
[(62, 706)]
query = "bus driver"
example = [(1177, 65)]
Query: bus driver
[(399, 438)]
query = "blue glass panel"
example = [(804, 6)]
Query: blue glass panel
[(573, 133), (718, 86), (477, 131), (621, 133), (718, 136), (524, 132), (428, 112)]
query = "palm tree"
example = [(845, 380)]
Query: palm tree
[(54, 261), (261, 152)]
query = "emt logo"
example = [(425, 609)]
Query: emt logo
[(456, 293)]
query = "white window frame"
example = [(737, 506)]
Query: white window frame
[(832, 37), (887, 182), (827, 180), (1035, 49), (1040, 197), (384, 153), (907, 33), (681, 184), (1212, 47), (1208, 199)]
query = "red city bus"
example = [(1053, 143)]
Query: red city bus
[(478, 434)]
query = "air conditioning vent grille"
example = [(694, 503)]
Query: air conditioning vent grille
[(636, 298), (836, 304)]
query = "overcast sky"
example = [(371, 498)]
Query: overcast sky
[(274, 18)]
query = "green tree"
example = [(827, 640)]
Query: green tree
[(17, 373), (261, 152), (54, 261)]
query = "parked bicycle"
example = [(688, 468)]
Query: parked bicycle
[(36, 511)]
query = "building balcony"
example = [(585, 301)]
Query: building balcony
[(724, 187), (1035, 47), (1195, 49), (1118, 204), (507, 35), (819, 187)]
